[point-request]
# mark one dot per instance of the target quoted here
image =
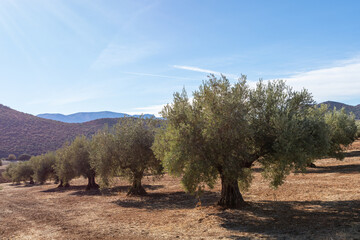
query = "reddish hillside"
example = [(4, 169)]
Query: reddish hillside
[(24, 133)]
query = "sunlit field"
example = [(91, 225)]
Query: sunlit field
[(323, 203)]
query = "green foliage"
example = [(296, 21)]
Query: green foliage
[(23, 171), (79, 154), (11, 157), (43, 166), (73, 160), (343, 131), (24, 157), (358, 128), (63, 166), (125, 150), (9, 172), (226, 128), (17, 172)]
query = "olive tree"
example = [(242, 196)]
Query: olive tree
[(358, 128), (125, 150), (79, 154), (73, 160), (9, 172), (21, 171), (63, 166), (43, 166), (226, 128), (343, 130)]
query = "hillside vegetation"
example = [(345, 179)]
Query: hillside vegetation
[(348, 108), (25, 133)]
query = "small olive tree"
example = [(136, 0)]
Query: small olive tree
[(358, 128), (226, 128), (125, 150), (63, 166), (9, 172), (73, 160), (343, 131), (43, 166), (79, 156), (24, 172), (17, 172)]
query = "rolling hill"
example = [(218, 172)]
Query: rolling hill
[(24, 133), (348, 108), (86, 116)]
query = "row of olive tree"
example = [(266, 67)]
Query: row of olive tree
[(124, 150), (221, 133), (40, 168)]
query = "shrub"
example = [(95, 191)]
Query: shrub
[(11, 157), (24, 157)]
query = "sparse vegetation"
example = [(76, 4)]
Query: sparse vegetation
[(24, 157), (25, 133)]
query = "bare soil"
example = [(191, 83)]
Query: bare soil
[(323, 203)]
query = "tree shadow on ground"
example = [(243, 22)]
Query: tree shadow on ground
[(65, 189), (167, 200), (26, 185), (310, 219), (111, 191), (351, 168), (352, 154)]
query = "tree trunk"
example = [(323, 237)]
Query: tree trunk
[(63, 185), (137, 188), (91, 183), (56, 181), (230, 194), (311, 165), (31, 180)]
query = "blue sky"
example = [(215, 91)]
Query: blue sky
[(131, 56)]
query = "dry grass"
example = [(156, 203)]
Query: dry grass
[(323, 203)]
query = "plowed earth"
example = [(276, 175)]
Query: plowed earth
[(323, 203)]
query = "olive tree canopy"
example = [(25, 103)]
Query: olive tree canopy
[(226, 128)]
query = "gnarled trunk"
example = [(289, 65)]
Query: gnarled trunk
[(230, 194), (137, 188), (91, 183)]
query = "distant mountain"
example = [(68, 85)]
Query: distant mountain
[(348, 108), (82, 117), (24, 133)]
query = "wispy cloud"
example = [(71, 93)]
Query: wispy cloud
[(158, 75), (202, 70), (339, 83), (153, 109), (117, 54)]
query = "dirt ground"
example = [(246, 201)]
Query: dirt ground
[(323, 203)]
